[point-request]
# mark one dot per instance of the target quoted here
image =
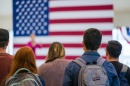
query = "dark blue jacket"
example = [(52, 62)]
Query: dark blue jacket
[(72, 70), (42, 81)]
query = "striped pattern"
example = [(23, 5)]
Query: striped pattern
[(68, 19)]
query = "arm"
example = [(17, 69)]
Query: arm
[(115, 78), (67, 80), (29, 44), (38, 45), (115, 81), (112, 75)]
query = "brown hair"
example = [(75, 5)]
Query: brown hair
[(24, 58), (56, 50)]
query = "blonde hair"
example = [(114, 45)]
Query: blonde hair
[(56, 50)]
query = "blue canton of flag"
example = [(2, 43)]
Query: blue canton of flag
[(30, 16)]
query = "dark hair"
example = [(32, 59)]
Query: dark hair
[(114, 48), (4, 37), (92, 38)]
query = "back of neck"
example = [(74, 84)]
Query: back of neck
[(112, 59), (2, 50)]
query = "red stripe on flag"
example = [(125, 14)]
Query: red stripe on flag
[(66, 57), (91, 20), (77, 33), (65, 45), (78, 8)]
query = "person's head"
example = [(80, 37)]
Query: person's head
[(4, 38), (92, 39), (56, 50), (113, 49), (32, 36), (24, 58)]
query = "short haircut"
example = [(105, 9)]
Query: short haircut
[(114, 48), (92, 39), (4, 37)]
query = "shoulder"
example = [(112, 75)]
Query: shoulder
[(72, 65), (110, 69), (45, 67), (46, 64), (129, 68), (108, 65), (62, 61), (128, 71), (29, 43), (8, 57)]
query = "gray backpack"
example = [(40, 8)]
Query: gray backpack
[(92, 74), (123, 80), (23, 79)]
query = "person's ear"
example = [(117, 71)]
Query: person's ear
[(83, 45), (7, 43), (107, 53), (100, 45)]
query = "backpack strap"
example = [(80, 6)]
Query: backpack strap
[(123, 71), (100, 61), (28, 79), (21, 70), (80, 62)]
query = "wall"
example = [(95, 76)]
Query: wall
[(6, 14), (122, 18)]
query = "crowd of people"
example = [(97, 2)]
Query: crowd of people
[(90, 69)]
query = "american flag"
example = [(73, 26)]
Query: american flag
[(63, 21)]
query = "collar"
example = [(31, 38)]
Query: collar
[(90, 56)]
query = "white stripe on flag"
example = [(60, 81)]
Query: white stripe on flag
[(69, 51), (81, 14), (66, 3), (62, 39), (80, 27)]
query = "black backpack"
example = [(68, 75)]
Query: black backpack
[(123, 80)]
